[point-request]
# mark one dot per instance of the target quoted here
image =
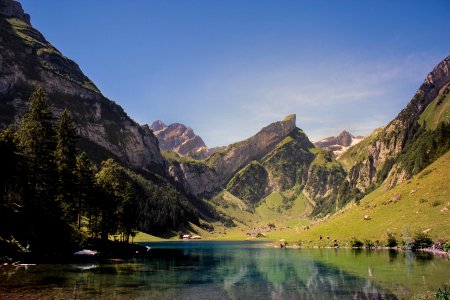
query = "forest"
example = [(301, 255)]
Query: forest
[(53, 198)]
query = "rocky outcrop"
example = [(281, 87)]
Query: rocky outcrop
[(388, 144), (180, 139), (213, 174), (338, 144), (28, 60), (237, 155), (13, 9)]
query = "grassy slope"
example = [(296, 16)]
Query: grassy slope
[(422, 199), (438, 110)]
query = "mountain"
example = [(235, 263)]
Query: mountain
[(180, 139), (277, 158), (28, 60), (383, 153), (339, 144)]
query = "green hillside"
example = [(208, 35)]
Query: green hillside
[(419, 204), (438, 110)]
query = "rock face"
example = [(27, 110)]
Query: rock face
[(383, 146), (339, 144), (180, 139), (208, 176), (277, 158), (13, 9), (28, 60)]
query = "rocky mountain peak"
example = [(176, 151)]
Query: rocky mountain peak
[(339, 144), (157, 125), (179, 138), (11, 8), (345, 138)]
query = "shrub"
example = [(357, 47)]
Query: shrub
[(421, 240), (435, 203), (369, 244), (355, 243), (443, 294), (446, 246), (423, 200), (391, 240)]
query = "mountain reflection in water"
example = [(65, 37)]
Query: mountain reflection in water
[(231, 270)]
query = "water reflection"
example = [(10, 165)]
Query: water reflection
[(232, 271)]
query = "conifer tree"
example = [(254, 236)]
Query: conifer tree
[(65, 157), (37, 139), (128, 213), (10, 162), (42, 212), (85, 199)]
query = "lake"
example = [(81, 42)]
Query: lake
[(233, 270)]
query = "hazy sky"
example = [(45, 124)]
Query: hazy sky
[(228, 68)]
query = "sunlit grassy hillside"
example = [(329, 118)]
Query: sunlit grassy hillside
[(419, 204)]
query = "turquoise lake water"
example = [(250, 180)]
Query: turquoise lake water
[(233, 270)]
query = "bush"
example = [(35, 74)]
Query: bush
[(421, 240), (355, 243), (435, 203), (369, 244), (443, 294), (391, 241), (446, 246)]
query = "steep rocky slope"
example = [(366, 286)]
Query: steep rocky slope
[(278, 158), (377, 155), (339, 144), (28, 60), (199, 177), (180, 139)]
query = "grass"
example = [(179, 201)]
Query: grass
[(438, 110), (145, 237), (411, 213)]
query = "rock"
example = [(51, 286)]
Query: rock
[(367, 217), (105, 129), (14, 9), (395, 198), (86, 252), (180, 139), (217, 170), (387, 142), (338, 144), (413, 191)]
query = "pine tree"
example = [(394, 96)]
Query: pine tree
[(10, 162), (85, 199), (65, 157), (128, 213), (37, 139), (42, 212)]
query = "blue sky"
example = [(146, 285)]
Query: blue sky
[(228, 68)]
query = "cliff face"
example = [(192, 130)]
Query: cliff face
[(213, 173), (384, 145), (277, 158), (180, 139), (28, 60)]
